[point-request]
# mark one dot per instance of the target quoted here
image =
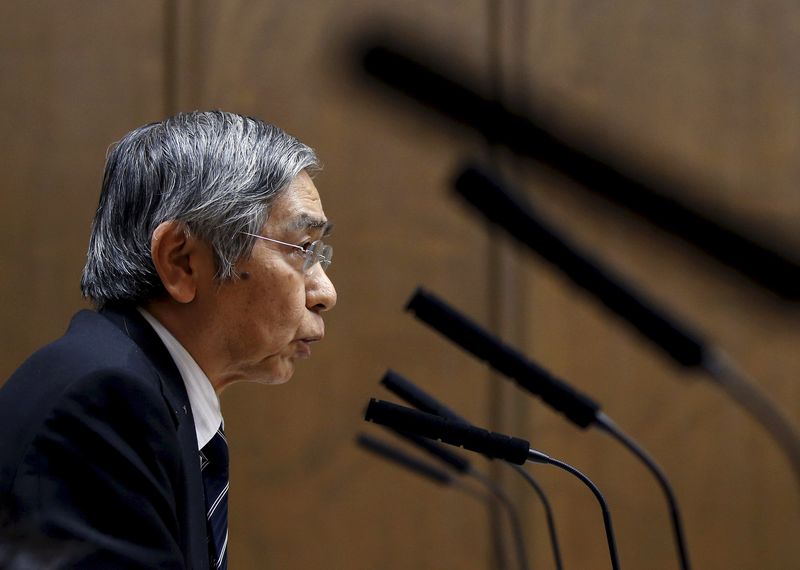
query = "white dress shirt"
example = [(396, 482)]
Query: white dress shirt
[(202, 398)]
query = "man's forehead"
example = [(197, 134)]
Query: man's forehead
[(299, 208)]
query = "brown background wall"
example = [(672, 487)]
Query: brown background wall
[(707, 91)]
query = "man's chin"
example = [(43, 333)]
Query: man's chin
[(270, 377), (274, 377)]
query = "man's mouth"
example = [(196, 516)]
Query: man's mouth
[(303, 346)]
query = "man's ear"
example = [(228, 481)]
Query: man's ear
[(175, 255)]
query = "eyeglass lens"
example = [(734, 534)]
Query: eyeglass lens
[(318, 252)]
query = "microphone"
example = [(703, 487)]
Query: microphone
[(409, 392), (490, 444), (412, 394), (512, 213), (578, 408), (512, 449), (452, 460), (608, 176), (405, 460)]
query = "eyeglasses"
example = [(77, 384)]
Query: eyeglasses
[(316, 252)]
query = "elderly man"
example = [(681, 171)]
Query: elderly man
[(207, 267)]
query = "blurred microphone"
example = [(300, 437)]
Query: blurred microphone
[(508, 210), (577, 407), (491, 444), (512, 213), (452, 460), (595, 169), (408, 391), (412, 394), (399, 457)]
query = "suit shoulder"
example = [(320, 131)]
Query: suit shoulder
[(93, 373), (91, 345)]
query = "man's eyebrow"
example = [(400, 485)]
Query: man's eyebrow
[(307, 222)]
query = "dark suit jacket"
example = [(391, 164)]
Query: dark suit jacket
[(98, 444)]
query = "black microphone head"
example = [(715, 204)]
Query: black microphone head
[(404, 419), (434, 312)]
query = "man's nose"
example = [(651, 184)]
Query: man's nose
[(320, 292)]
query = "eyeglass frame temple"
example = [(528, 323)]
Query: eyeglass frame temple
[(318, 258)]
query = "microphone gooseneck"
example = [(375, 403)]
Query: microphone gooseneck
[(482, 441), (548, 511), (417, 397), (612, 548), (516, 524), (746, 392), (605, 424)]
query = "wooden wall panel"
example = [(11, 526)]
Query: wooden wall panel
[(76, 76)]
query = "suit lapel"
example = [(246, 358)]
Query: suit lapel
[(191, 511)]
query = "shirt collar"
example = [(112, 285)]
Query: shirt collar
[(202, 398)]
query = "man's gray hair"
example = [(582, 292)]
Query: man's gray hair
[(215, 172)]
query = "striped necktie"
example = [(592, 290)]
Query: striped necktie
[(214, 466)]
